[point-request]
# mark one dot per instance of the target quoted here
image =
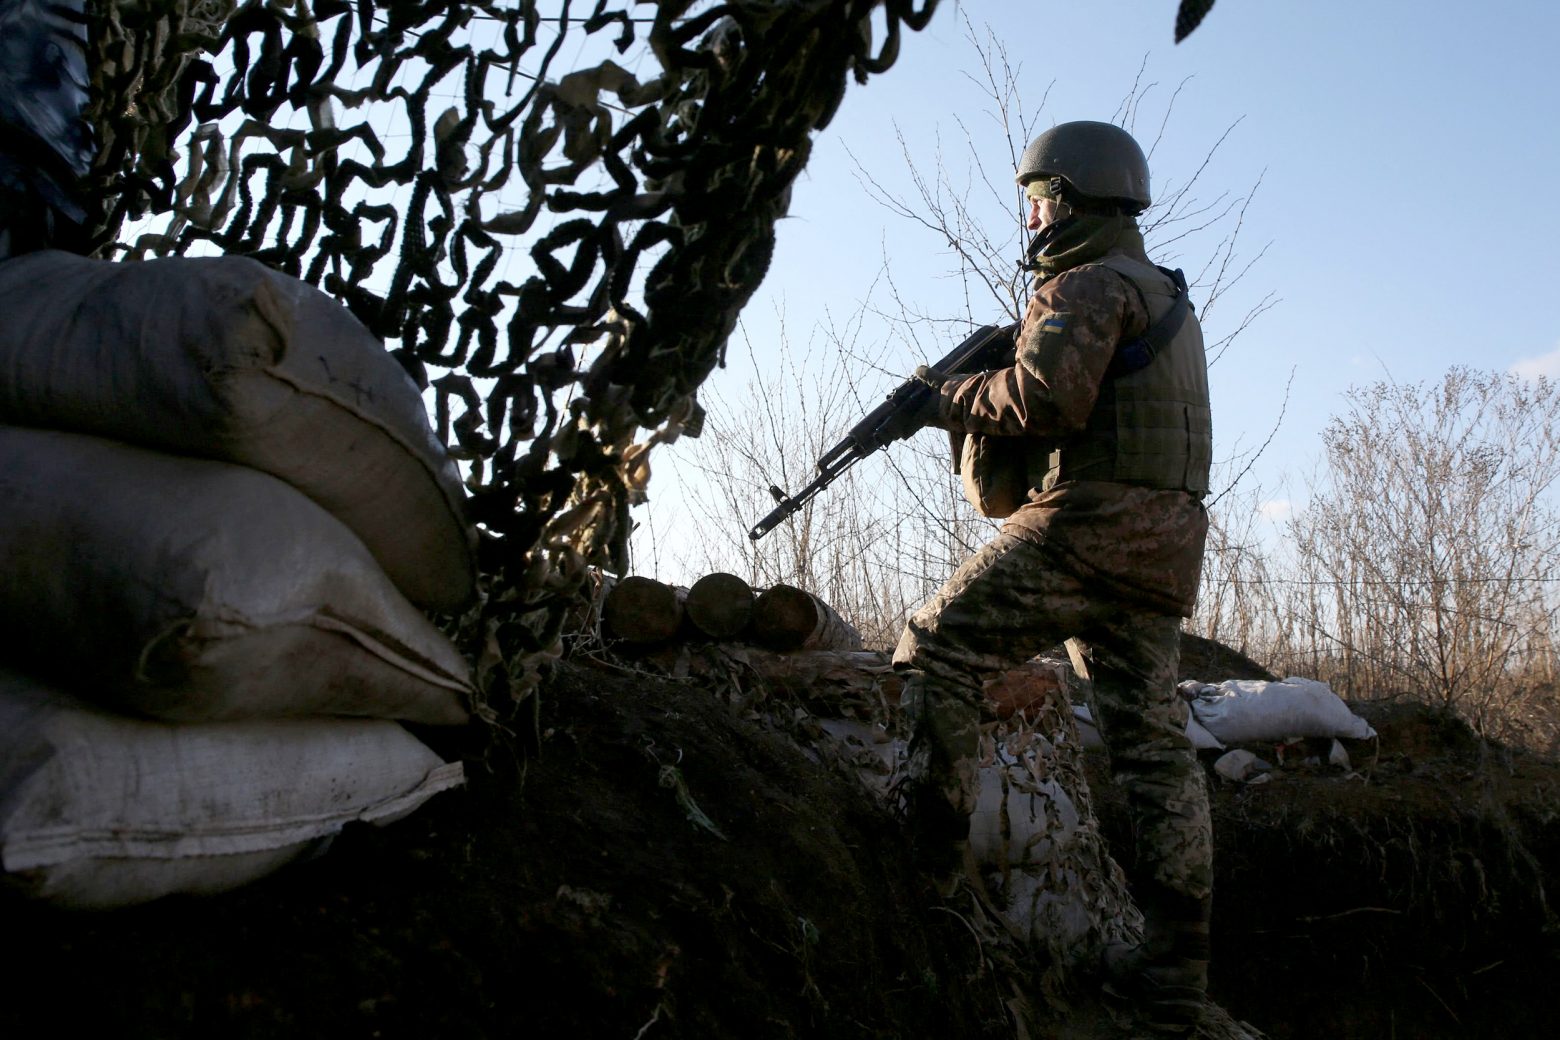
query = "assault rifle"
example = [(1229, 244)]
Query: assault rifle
[(989, 346)]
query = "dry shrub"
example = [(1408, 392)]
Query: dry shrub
[(1425, 563)]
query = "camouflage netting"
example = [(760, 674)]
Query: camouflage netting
[(556, 254)]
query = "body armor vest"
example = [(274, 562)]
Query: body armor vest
[(1152, 427)]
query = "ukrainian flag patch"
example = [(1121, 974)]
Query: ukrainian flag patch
[(1053, 325)]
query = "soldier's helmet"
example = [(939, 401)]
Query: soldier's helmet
[(1098, 161)]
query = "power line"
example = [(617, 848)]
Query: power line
[(1400, 583)]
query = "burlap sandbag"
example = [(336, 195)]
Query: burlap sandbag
[(101, 810), (226, 359), (194, 590)]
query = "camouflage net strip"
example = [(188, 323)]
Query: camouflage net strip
[(646, 217)]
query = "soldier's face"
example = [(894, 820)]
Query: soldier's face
[(1041, 212)]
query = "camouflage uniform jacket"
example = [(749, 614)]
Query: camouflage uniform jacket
[(1141, 545)]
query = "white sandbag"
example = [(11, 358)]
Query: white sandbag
[(194, 590), (223, 358), (1201, 739), (99, 810), (1088, 732), (1022, 814), (1046, 867), (1245, 710), (1240, 765)]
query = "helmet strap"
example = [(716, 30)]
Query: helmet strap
[(1061, 193)]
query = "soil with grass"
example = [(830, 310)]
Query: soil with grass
[(638, 860)]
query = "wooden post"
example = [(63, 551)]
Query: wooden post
[(787, 618), (720, 605), (642, 611), (584, 617)]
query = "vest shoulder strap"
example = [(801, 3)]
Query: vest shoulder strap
[(1134, 355)]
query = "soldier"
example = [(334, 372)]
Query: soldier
[(1109, 395)]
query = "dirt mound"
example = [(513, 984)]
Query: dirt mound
[(1409, 898), (1213, 662), (653, 867), (640, 862)]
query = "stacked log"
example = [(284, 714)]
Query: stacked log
[(790, 638), (788, 618), (720, 606), (642, 611)]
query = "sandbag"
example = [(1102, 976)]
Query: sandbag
[(98, 810), (223, 358), (193, 590), (1044, 863), (1196, 732), (1241, 710), (1027, 836)]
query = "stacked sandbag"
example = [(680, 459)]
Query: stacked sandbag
[(100, 810), (1294, 721), (187, 590), (222, 509), (225, 359)]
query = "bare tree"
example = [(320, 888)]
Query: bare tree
[(1430, 551)]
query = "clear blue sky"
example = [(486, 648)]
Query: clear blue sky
[(1408, 150)]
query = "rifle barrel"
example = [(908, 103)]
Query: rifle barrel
[(837, 460)]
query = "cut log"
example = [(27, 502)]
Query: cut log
[(720, 605), (788, 618), (642, 611)]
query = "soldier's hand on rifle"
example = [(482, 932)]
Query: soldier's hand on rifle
[(923, 411), (931, 377)]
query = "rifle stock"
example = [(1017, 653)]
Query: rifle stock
[(984, 348)]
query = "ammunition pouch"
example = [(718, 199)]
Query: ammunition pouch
[(998, 472)]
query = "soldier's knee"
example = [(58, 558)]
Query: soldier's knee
[(925, 646)]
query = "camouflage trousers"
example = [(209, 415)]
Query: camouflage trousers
[(1008, 602)]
